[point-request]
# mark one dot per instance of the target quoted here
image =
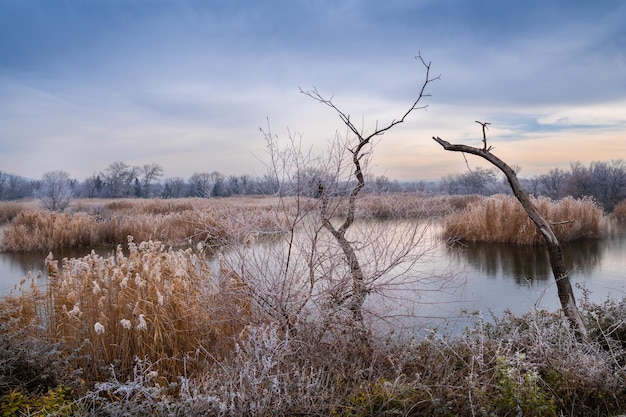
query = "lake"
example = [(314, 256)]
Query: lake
[(488, 277)]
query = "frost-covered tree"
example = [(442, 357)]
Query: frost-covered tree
[(150, 173), (55, 192)]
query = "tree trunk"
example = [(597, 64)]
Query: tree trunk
[(557, 263)]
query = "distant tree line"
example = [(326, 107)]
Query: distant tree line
[(604, 181), (120, 180)]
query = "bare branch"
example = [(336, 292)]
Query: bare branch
[(484, 125), (561, 275), (345, 118)]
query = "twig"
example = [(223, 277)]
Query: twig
[(485, 128)]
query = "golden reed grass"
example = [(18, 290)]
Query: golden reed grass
[(178, 222), (174, 222), (502, 219), (411, 205), (169, 308), (10, 209)]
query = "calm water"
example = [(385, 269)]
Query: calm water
[(500, 277), (487, 276), (15, 266)]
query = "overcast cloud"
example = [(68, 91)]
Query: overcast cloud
[(187, 84)]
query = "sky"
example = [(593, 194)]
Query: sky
[(188, 84)]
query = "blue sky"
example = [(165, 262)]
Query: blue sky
[(187, 84)]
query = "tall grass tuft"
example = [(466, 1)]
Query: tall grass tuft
[(167, 307), (502, 219)]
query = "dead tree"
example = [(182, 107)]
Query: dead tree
[(557, 263), (359, 288)]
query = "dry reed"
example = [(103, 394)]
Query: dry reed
[(176, 223), (411, 205), (146, 318), (502, 219), (10, 209), (619, 212), (402, 205), (169, 308)]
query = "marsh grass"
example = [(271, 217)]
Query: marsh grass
[(10, 209), (411, 205), (180, 222), (502, 219), (176, 223), (619, 212), (163, 306)]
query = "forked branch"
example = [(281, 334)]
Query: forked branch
[(366, 139), (359, 288)]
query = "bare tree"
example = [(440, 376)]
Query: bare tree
[(238, 185), (92, 186), (477, 181), (201, 184), (219, 181), (56, 190), (557, 262), (359, 153), (13, 187), (325, 263), (149, 173), (4, 181), (175, 187), (553, 183), (118, 179)]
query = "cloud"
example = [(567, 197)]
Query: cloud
[(188, 83)]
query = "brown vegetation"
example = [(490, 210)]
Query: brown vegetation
[(619, 212), (411, 205), (174, 222), (163, 306), (502, 219), (10, 209)]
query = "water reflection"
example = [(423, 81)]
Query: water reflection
[(15, 266), (526, 263), (494, 276)]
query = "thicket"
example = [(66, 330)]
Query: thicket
[(620, 210), (605, 182)]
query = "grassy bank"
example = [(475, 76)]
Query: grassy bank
[(178, 222), (502, 219), (158, 332), (95, 223)]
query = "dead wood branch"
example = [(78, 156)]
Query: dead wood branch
[(557, 262)]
